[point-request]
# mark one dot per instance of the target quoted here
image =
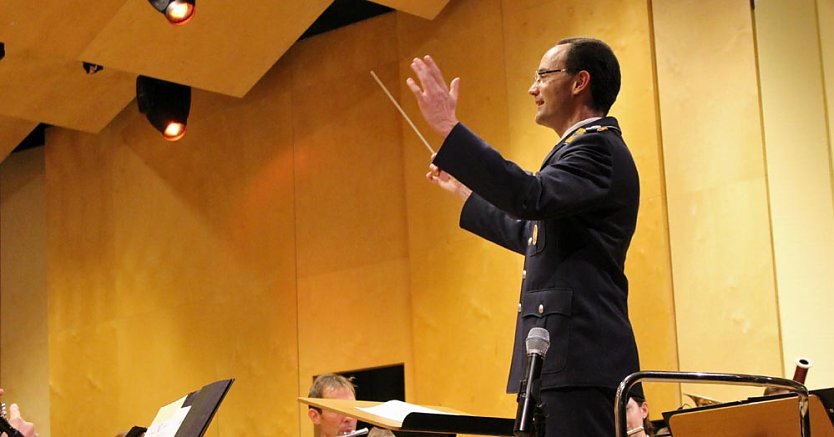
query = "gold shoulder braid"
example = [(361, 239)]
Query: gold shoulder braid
[(3, 410), (588, 130), (578, 132)]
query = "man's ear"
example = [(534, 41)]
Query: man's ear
[(314, 416), (581, 81), (644, 410)]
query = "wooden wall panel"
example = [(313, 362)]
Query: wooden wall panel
[(825, 17), (464, 291), (80, 279), (24, 349), (797, 134), (173, 265), (353, 292), (725, 298)]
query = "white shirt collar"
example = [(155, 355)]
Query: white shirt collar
[(574, 127)]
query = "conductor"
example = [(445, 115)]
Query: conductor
[(572, 221)]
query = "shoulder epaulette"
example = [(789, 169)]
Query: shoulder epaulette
[(599, 128), (576, 133), (590, 130)]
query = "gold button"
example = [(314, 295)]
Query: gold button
[(530, 241), (524, 274), (519, 307), (541, 309), (535, 233)]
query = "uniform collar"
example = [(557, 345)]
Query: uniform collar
[(576, 126)]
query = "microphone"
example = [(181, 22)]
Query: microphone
[(538, 340)]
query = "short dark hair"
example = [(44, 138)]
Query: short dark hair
[(648, 426), (597, 58)]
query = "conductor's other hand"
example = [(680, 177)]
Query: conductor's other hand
[(436, 100), (17, 422), (447, 182)]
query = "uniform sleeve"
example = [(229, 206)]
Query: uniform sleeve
[(579, 180), (483, 219)]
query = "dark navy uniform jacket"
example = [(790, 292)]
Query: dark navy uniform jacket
[(573, 222)]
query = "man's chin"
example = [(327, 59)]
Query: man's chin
[(542, 121)]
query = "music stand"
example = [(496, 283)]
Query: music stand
[(446, 422), (203, 404)]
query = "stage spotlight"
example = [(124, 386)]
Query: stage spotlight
[(166, 104), (177, 12)]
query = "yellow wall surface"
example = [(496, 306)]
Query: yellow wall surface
[(722, 255), (825, 17), (24, 361), (173, 265), (354, 308), (291, 232), (463, 290), (797, 138)]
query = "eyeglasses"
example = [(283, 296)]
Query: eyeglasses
[(542, 73)]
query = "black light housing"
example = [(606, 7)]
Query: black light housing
[(166, 104), (91, 68), (2, 50), (178, 12)]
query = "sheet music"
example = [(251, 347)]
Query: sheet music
[(397, 410), (168, 419)]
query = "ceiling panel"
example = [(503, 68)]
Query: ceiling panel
[(225, 48), (61, 28), (60, 93), (427, 9), (12, 132)]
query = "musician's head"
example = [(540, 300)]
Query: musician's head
[(329, 423), (637, 415)]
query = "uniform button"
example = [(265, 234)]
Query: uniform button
[(530, 241), (541, 309), (524, 274), (535, 233), (519, 307)]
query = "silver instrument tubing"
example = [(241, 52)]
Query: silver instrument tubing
[(621, 398)]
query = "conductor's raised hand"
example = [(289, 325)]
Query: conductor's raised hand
[(437, 101), (25, 428)]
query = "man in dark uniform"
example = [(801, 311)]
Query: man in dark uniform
[(572, 220)]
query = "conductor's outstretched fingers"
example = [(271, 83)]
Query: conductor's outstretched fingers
[(17, 421)]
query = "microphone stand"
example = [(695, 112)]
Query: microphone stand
[(538, 412)]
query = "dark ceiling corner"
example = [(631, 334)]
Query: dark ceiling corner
[(343, 12), (36, 138)]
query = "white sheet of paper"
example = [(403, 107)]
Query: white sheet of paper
[(397, 410), (168, 428), (168, 419)]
